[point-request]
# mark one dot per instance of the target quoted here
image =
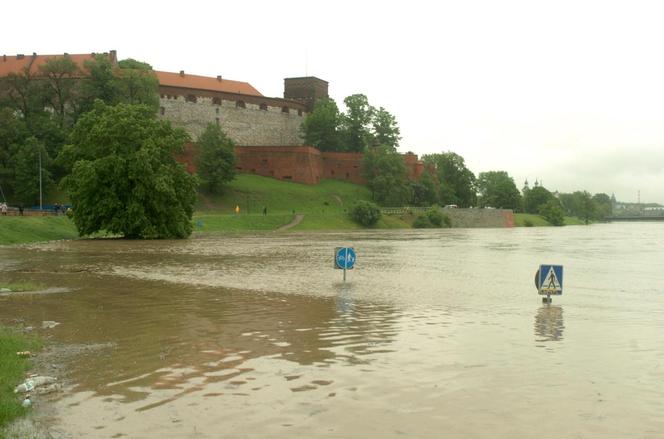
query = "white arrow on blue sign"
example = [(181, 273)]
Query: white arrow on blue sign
[(344, 258)]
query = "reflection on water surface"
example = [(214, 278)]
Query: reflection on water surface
[(256, 336)]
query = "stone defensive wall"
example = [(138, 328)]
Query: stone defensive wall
[(248, 120), (469, 218)]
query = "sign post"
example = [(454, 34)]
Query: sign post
[(344, 259), (549, 281)]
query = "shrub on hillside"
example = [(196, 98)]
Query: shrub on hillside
[(365, 213), (422, 222), (437, 219)]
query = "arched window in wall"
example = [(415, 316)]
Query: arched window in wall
[(285, 110), (191, 98), (240, 104), (263, 107), (216, 101)]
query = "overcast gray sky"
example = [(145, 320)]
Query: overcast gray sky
[(568, 92)]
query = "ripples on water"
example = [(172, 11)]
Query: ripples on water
[(436, 331)]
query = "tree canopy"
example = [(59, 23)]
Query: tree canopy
[(386, 176), (457, 182), (497, 189), (215, 158), (124, 178), (320, 129)]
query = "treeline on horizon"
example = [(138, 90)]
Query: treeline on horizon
[(446, 179)]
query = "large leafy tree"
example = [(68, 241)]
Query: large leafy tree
[(61, 76), (497, 189), (386, 176), (356, 123), (321, 127), (424, 191), (124, 178), (385, 129), (458, 184), (215, 160), (535, 198)]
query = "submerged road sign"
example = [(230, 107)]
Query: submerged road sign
[(550, 280), (344, 258)]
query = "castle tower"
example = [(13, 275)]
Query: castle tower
[(306, 90)]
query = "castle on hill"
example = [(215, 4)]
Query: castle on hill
[(266, 130)]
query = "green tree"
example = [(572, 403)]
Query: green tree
[(13, 133), (26, 163), (215, 160), (365, 213), (356, 123), (424, 191), (603, 206), (536, 197), (497, 189), (124, 177), (385, 129), (386, 176), (458, 184), (20, 91), (138, 83), (320, 129), (62, 79), (552, 212)]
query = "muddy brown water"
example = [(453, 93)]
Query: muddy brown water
[(435, 334)]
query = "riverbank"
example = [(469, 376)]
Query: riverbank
[(26, 229), (12, 371)]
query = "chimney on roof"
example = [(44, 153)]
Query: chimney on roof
[(182, 73), (219, 78), (20, 56)]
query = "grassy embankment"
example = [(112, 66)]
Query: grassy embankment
[(12, 372), (24, 229), (521, 220), (323, 206)]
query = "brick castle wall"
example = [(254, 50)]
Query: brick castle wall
[(304, 164)]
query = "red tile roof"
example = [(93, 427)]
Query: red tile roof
[(206, 83), (16, 63)]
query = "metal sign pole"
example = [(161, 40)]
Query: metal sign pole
[(345, 262)]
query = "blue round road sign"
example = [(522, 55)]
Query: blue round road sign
[(345, 257)]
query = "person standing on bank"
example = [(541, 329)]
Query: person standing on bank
[(3, 208)]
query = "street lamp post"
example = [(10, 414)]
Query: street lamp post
[(40, 181)]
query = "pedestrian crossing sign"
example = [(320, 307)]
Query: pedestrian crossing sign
[(550, 280)]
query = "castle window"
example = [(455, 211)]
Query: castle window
[(284, 109), (263, 107), (162, 110), (216, 119), (299, 112), (240, 104), (216, 101), (217, 110), (190, 98), (168, 96), (287, 177), (162, 96), (331, 171)]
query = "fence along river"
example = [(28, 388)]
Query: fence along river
[(435, 331)]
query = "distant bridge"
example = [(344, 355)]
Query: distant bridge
[(636, 218)]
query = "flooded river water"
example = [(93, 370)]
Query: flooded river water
[(435, 334)]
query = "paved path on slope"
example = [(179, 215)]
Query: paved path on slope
[(297, 220)]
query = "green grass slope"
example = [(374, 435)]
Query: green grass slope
[(24, 229), (252, 192)]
